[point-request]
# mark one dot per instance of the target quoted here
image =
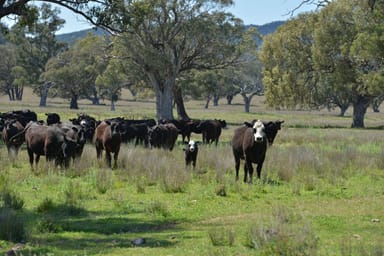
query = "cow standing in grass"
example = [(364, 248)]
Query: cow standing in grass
[(190, 152), (249, 143), (108, 138)]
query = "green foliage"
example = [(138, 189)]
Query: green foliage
[(222, 236), (332, 58), (73, 198), (12, 200), (104, 180), (48, 225), (12, 226), (157, 208), (46, 205)]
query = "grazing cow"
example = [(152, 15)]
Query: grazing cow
[(211, 130), (52, 118), (163, 136), (108, 138), (249, 143), (13, 136), (190, 152)]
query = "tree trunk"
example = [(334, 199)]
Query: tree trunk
[(360, 106), (229, 99), (44, 94), (164, 104), (178, 98), (216, 100), (247, 102), (19, 93), (207, 102), (112, 104), (73, 103), (343, 110)]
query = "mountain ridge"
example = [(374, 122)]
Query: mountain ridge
[(72, 37)]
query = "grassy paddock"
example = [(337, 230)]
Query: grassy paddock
[(321, 193)]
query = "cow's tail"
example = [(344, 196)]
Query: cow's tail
[(16, 136)]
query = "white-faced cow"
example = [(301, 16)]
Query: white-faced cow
[(250, 144), (108, 138), (190, 152)]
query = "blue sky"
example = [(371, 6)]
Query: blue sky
[(257, 12)]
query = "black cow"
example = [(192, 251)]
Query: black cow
[(52, 118), (108, 138), (88, 123), (13, 136), (35, 134), (75, 141), (211, 130), (190, 152), (137, 132), (163, 136), (249, 143)]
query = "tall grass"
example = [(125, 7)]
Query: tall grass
[(310, 177)]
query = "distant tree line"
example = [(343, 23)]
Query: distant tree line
[(331, 58)]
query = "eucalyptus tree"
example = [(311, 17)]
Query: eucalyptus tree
[(289, 76), (37, 43), (164, 38), (7, 63), (349, 53), (74, 72), (110, 82)]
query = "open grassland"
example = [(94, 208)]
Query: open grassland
[(321, 192)]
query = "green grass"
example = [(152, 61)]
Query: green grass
[(320, 194)]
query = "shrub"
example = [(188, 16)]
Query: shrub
[(283, 236), (158, 208), (48, 225), (73, 196), (222, 237), (46, 205), (12, 200), (12, 226), (103, 180)]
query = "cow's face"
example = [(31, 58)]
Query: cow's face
[(259, 131), (192, 145)]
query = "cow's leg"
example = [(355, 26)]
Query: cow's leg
[(250, 170), (30, 154), (108, 158), (245, 171), (237, 166), (258, 169), (99, 151), (37, 159), (115, 157)]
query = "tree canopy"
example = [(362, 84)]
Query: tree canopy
[(336, 59)]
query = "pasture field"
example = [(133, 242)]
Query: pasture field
[(321, 191)]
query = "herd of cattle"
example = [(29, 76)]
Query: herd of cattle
[(63, 142)]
